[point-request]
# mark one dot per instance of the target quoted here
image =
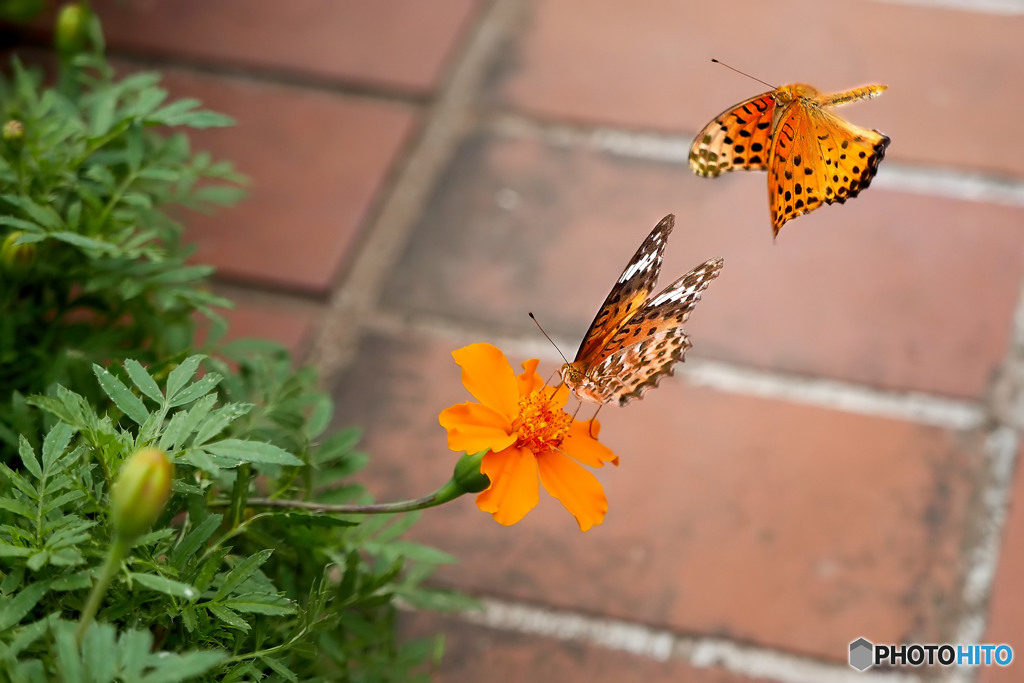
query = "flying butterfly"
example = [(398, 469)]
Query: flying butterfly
[(812, 156), (635, 340)]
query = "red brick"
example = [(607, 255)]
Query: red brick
[(787, 526), (894, 290), (317, 162), (400, 44), (286, 326), (616, 63), (1005, 618), (475, 653)]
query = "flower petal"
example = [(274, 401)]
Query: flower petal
[(513, 491), (473, 428), (580, 445), (529, 381), (487, 375), (576, 488)]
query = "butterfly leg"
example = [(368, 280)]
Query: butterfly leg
[(591, 430)]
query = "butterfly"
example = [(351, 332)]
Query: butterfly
[(635, 340), (812, 156)]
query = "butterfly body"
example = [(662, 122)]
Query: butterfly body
[(636, 339), (812, 156)]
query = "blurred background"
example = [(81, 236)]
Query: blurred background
[(836, 458)]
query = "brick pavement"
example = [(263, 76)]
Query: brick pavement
[(836, 458)]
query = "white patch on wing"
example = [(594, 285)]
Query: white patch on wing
[(671, 295), (639, 266)]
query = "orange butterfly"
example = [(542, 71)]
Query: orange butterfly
[(812, 155), (635, 340)]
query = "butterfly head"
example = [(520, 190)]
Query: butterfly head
[(572, 375), (582, 386)]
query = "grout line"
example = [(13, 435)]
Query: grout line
[(443, 127), (852, 398), (663, 645), (915, 407), (675, 149), (983, 558), (1001, 447), (1003, 7)]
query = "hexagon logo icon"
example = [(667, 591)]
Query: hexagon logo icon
[(862, 653)]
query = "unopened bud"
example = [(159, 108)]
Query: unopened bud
[(14, 131), (71, 34), (17, 258), (140, 493)]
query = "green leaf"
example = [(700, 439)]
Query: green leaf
[(143, 380), (134, 146), (183, 424), (242, 571), (164, 585), (46, 216), (194, 539), (84, 242), (17, 507), (99, 651), (8, 550), (280, 669), (13, 610), (21, 224), (194, 390), (55, 443), (175, 668), (252, 451), (28, 459), (180, 375), (68, 660), (259, 603), (130, 404), (220, 419), (228, 616)]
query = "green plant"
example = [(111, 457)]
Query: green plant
[(299, 594), (85, 184), (252, 569)]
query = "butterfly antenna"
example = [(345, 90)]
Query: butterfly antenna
[(744, 73), (535, 322)]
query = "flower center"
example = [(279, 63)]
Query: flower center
[(540, 426)]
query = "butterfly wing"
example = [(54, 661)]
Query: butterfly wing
[(629, 293), (739, 137), (818, 158), (650, 343)]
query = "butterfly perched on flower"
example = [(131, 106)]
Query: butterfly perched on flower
[(812, 156), (635, 339)]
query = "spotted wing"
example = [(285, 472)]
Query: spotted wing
[(629, 293), (648, 345), (818, 157), (738, 138)]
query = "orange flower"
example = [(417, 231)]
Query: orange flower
[(521, 421)]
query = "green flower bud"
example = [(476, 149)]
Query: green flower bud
[(17, 258), (14, 131), (468, 476), (140, 493), (71, 34)]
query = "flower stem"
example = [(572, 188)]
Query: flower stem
[(448, 492), (118, 549)]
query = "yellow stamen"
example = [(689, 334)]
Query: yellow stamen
[(540, 426)]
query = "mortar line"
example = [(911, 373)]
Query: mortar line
[(1000, 7), (675, 149), (664, 645), (1001, 450), (917, 407), (443, 126)]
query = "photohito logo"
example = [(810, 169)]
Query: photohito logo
[(864, 654)]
